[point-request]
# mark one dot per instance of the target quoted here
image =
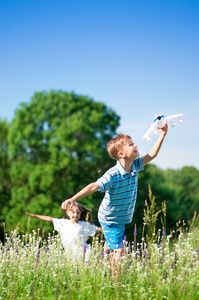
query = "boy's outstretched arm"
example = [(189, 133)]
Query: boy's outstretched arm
[(44, 218), (156, 148), (87, 190)]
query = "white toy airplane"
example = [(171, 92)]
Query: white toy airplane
[(159, 122)]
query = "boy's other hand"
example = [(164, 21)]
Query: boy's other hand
[(65, 204)]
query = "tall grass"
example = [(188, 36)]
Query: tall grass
[(161, 268)]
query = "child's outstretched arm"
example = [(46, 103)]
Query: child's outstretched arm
[(44, 218), (89, 189), (156, 148)]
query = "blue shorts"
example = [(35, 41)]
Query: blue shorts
[(114, 235)]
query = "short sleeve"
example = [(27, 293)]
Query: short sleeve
[(104, 182), (58, 223), (138, 164), (90, 229)]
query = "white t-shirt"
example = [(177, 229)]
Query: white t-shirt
[(74, 234)]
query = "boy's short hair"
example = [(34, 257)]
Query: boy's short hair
[(116, 144)]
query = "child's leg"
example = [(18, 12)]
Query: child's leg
[(116, 261), (114, 235)]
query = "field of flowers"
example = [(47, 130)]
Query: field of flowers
[(34, 268), (160, 266)]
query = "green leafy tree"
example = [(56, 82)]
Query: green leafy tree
[(184, 184), (57, 142), (5, 182), (178, 189)]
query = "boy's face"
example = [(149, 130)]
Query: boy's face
[(130, 149), (74, 214)]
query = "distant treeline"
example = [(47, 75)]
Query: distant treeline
[(55, 145)]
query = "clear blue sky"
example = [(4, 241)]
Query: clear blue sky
[(139, 57)]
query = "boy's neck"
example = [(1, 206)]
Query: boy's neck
[(126, 164)]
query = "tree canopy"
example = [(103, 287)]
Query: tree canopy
[(178, 188), (5, 181), (57, 143)]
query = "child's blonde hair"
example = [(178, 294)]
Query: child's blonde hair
[(85, 212), (116, 144)]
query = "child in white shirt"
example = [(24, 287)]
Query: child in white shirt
[(75, 230)]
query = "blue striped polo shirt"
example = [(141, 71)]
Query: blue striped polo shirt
[(120, 190)]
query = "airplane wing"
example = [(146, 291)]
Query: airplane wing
[(150, 131), (173, 117)]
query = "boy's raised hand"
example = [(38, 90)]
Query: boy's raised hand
[(163, 130)]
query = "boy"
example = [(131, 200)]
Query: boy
[(120, 186)]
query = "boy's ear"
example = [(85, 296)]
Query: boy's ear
[(121, 154)]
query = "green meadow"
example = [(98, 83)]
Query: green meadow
[(164, 267)]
